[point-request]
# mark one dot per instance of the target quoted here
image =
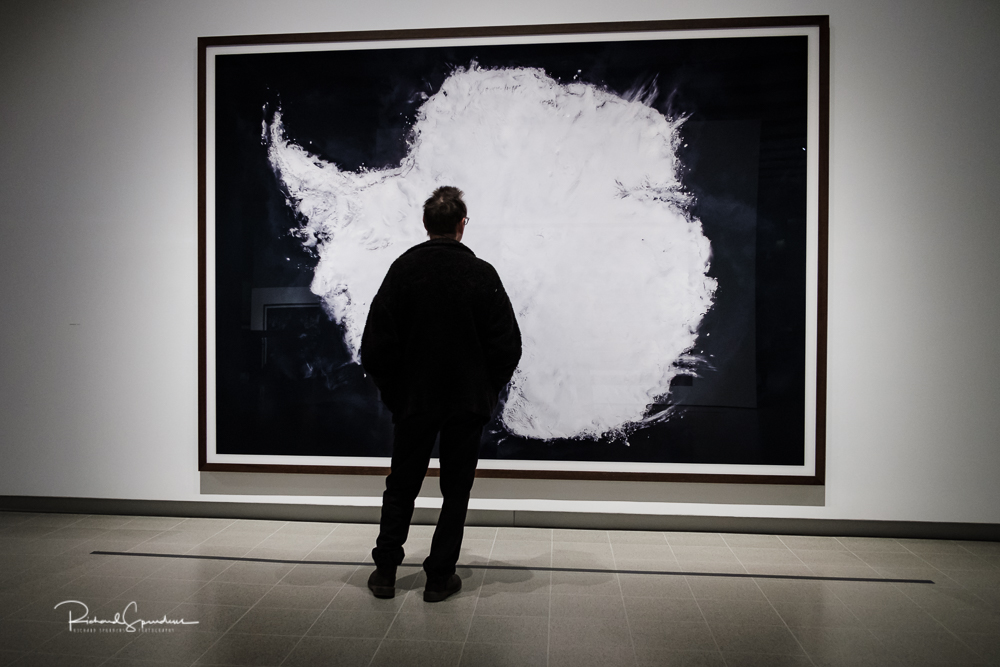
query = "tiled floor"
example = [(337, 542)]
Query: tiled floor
[(550, 613)]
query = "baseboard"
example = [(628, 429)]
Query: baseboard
[(519, 518)]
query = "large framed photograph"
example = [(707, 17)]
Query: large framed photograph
[(652, 194)]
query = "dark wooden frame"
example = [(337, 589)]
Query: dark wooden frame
[(820, 22)]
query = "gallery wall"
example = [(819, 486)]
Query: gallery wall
[(98, 256)]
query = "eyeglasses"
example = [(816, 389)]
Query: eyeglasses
[(466, 219)]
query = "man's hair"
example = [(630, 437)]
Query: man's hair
[(443, 210)]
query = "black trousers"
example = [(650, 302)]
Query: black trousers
[(413, 441)]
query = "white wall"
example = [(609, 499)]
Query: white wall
[(98, 338)]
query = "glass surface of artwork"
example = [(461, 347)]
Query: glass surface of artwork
[(653, 199)]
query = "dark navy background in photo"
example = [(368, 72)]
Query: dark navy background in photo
[(287, 386)]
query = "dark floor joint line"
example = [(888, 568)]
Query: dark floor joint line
[(733, 575)]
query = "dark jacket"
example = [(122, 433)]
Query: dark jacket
[(441, 335)]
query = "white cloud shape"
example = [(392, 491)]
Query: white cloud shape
[(574, 197)]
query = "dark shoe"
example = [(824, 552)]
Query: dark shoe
[(435, 591), (382, 583)]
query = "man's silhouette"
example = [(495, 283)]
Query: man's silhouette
[(441, 342)]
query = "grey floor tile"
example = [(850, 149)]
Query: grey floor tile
[(588, 632), (264, 621), (969, 620), (319, 575), (354, 597), (417, 654), (588, 536), (652, 566), (520, 581), (739, 612), (179, 646), (126, 534), (126, 566), (981, 548), (480, 533), (756, 639), (513, 604), (248, 572), (926, 647), (725, 588), (766, 556), (277, 553), (229, 593), (332, 652), (636, 537), (461, 603), (102, 521), (57, 660), (129, 662), (236, 543), (522, 553), (192, 569), (586, 583), (767, 660), (933, 546), (91, 586), (87, 642), (9, 657), (871, 544), (651, 585), (861, 571), (504, 655), (826, 643), (892, 559), (986, 646), (581, 560), (432, 627), (365, 530), (713, 567), (696, 539), (700, 554), (668, 658), (586, 606), (156, 589), (75, 533), (830, 614), (204, 524), (936, 598), (805, 542), (44, 608), (959, 561), (785, 570), (828, 557), (908, 618), (663, 611), (753, 541), (649, 633), (522, 534), (640, 551), (28, 635), (154, 523), (508, 630), (257, 650), (591, 656), (256, 526), (306, 528), (876, 594), (475, 551), (300, 597), (210, 617), (353, 623)]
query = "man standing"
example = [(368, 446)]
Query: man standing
[(441, 342)]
